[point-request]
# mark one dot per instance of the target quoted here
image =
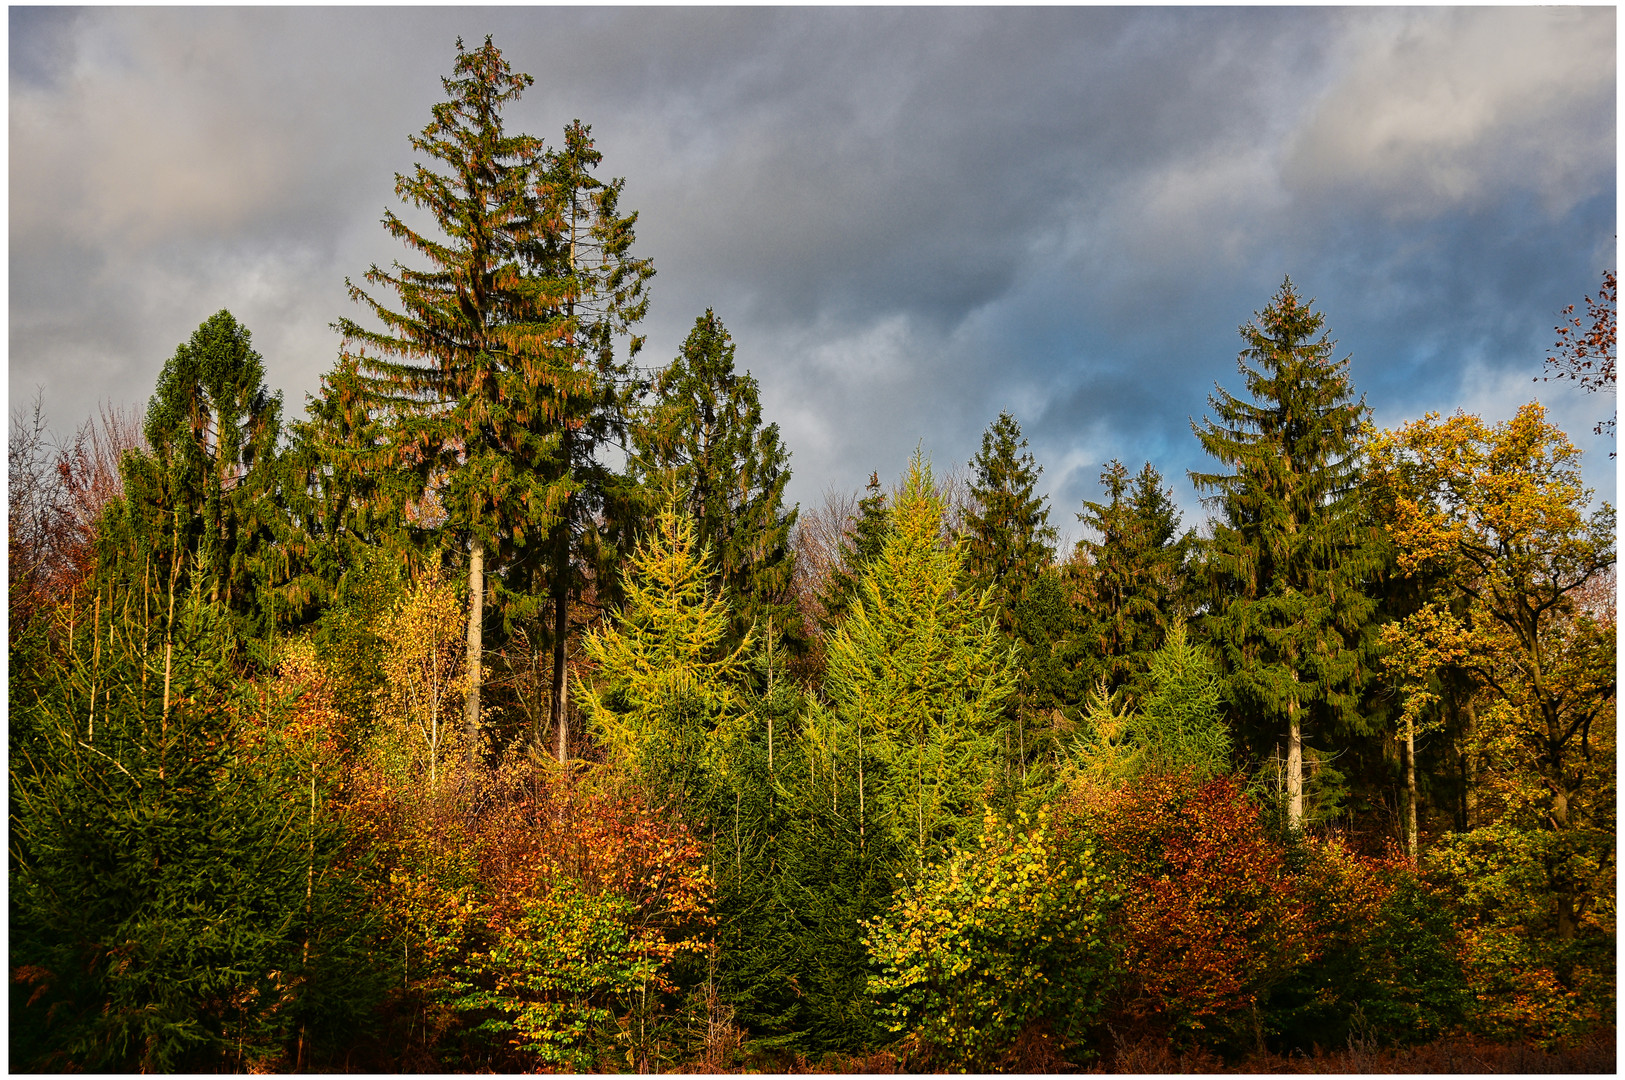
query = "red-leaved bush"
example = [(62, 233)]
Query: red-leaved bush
[(1210, 914)]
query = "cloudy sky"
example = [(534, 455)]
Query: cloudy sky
[(909, 219)]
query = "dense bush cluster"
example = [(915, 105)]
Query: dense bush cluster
[(436, 733)]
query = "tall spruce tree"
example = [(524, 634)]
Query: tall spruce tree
[(1135, 584), (588, 248), (704, 434), (1289, 559), (1009, 549), (477, 370)]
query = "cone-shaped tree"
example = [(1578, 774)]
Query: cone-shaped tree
[(1009, 549), (195, 508), (919, 675), (704, 433), (1009, 538), (1135, 585), (1290, 554), (587, 248), (475, 368), (666, 695), (860, 547)]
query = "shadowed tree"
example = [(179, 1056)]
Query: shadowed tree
[(704, 434)]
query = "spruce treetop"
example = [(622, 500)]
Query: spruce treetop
[(1010, 538)]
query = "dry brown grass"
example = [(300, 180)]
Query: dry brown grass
[(1592, 1053)]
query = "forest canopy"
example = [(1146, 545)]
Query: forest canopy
[(498, 713)]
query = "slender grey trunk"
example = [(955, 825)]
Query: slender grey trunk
[(1410, 790)]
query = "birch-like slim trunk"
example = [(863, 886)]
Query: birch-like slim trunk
[(1294, 766), (476, 645)]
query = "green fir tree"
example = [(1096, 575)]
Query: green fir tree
[(1289, 560), (704, 433), (1136, 578)]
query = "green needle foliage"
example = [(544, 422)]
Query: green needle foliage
[(918, 676), (1009, 540), (1009, 554), (1136, 583), (588, 248), (199, 499), (1290, 555), (474, 371), (859, 548), (666, 693), (172, 901), (704, 433)]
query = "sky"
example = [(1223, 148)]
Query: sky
[(909, 219)]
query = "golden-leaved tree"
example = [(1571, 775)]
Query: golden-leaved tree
[(1494, 524)]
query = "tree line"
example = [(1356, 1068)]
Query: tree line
[(500, 714)]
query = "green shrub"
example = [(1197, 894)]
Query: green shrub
[(991, 940)]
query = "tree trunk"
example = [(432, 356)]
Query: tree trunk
[(1410, 790), (1469, 772), (1294, 767), (561, 616), (476, 646)]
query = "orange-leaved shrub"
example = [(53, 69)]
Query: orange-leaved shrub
[(1211, 916), (591, 892)]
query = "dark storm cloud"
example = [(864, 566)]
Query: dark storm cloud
[(909, 219)]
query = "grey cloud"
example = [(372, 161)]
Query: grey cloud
[(909, 218)]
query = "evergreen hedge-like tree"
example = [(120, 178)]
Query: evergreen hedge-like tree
[(173, 905), (1290, 556), (197, 503), (1009, 538)]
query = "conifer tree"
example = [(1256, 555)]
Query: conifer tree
[(1009, 538), (919, 675), (1009, 551), (859, 548), (1290, 553), (195, 507), (587, 248), (476, 369), (342, 503), (173, 894), (667, 690), (704, 432), (1136, 578)]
